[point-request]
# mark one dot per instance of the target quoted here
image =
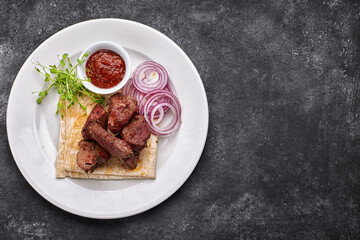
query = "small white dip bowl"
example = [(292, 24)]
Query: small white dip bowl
[(109, 46)]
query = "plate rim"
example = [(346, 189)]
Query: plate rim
[(151, 204)]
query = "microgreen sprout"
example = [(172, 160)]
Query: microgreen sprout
[(63, 78)]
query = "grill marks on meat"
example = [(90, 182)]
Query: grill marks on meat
[(122, 109), (90, 155), (136, 133), (115, 146), (98, 115)]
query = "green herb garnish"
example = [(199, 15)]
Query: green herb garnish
[(64, 79)]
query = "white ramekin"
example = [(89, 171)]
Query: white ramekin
[(109, 46)]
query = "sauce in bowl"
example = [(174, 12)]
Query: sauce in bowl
[(105, 68)]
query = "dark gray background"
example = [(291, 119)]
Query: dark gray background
[(282, 158)]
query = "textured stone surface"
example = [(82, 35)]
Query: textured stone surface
[(282, 158)]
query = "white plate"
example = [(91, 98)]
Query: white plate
[(33, 129)]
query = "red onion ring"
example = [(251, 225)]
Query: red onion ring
[(141, 77), (150, 110), (171, 127), (154, 99), (125, 89), (159, 114), (130, 90), (164, 99)]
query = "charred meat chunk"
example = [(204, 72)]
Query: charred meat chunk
[(90, 155), (136, 133), (115, 146), (98, 115), (132, 161), (122, 109)]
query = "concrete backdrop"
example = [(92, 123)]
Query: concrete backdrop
[(282, 157)]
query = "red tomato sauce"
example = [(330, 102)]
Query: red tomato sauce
[(105, 68)]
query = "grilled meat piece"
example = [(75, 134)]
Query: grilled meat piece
[(136, 133), (90, 155), (122, 109), (99, 115), (132, 161), (115, 146)]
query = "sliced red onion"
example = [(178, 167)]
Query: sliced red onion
[(149, 76), (159, 114), (163, 99), (154, 98), (150, 110), (169, 128), (169, 125), (130, 90), (125, 89)]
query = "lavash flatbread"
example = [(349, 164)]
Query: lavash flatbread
[(70, 134)]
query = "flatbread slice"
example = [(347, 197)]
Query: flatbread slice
[(60, 161), (70, 135)]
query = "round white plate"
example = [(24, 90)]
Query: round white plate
[(33, 129)]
